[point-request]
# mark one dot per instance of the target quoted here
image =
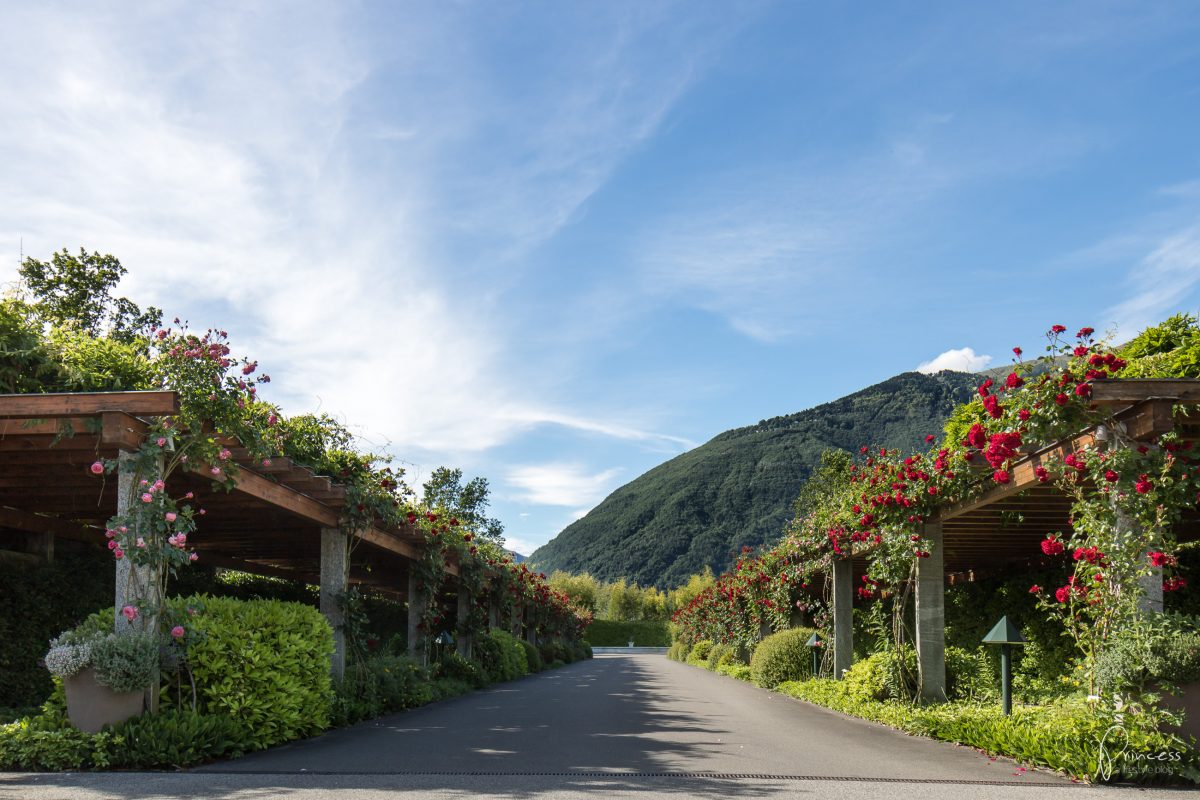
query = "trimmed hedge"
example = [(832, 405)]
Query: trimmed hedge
[(263, 662), (643, 633), (782, 656)]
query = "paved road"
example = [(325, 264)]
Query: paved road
[(616, 726)]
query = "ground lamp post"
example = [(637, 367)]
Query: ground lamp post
[(814, 644), (1006, 635), (443, 639)]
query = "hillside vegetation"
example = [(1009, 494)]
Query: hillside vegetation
[(700, 508)]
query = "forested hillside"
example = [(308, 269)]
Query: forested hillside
[(701, 507)]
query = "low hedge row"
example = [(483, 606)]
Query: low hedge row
[(262, 678), (1065, 737), (643, 633)]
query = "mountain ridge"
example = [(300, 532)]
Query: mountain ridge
[(702, 506)]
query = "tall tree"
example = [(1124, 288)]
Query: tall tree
[(76, 291), (468, 501)]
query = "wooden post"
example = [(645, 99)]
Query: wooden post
[(931, 617), (843, 616), (335, 580), (416, 609)]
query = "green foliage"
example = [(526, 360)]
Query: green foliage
[(25, 363), (1064, 737), (454, 667), (500, 655), (1170, 349), (736, 670), (678, 651), (720, 654), (177, 738), (468, 502), (533, 658), (782, 656), (698, 509), (76, 291), (48, 743), (1167, 653), (263, 662), (379, 685), (37, 603), (643, 633), (125, 663)]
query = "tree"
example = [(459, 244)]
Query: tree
[(76, 291), (584, 590), (468, 502)]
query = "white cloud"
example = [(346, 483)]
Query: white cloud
[(561, 484), (229, 159), (963, 359), (1162, 281)]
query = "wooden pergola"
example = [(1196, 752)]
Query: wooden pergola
[(1001, 529), (280, 519)]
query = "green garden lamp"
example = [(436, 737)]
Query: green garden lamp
[(443, 639), (1006, 635), (814, 643)]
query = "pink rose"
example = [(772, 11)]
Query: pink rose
[(162, 441), (171, 516), (193, 557), (98, 468), (147, 498), (130, 613), (177, 631), (118, 554)]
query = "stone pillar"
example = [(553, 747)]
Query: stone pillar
[(40, 545), (931, 617), (462, 639), (518, 621), (335, 578), (133, 584), (416, 609), (843, 619), (1151, 600), (493, 614)]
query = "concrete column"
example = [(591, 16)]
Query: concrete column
[(931, 617), (40, 545), (462, 639), (416, 608), (133, 584), (493, 614), (843, 619), (518, 621), (1151, 599), (335, 579)]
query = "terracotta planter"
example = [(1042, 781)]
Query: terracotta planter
[(1187, 701), (91, 706)]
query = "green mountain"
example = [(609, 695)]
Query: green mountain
[(700, 508)]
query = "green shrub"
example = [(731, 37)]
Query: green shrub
[(698, 657), (643, 633), (532, 657), (454, 666), (379, 685), (49, 743), (507, 660), (1168, 654), (717, 656), (969, 675), (1062, 737), (582, 650), (263, 662), (679, 651), (177, 738), (735, 670), (782, 656)]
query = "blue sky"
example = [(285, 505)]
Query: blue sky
[(558, 243)]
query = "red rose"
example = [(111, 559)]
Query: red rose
[(1017, 351), (1084, 390), (1034, 589), (1156, 558), (1062, 594), (1024, 415), (1143, 485), (1042, 473), (1111, 476), (1014, 381), (1058, 328), (1000, 476), (929, 438), (993, 407), (1061, 399), (1052, 547), (977, 436), (983, 387), (1084, 333)]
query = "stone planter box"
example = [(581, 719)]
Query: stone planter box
[(91, 705), (1187, 701)]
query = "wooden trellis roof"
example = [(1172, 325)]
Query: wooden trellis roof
[(268, 524), (1006, 524)]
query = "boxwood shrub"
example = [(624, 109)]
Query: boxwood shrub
[(782, 656), (643, 633), (698, 657)]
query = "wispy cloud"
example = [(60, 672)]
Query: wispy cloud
[(964, 359), (1161, 282), (561, 484)]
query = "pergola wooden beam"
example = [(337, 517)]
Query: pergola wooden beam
[(45, 406), (1128, 392)]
